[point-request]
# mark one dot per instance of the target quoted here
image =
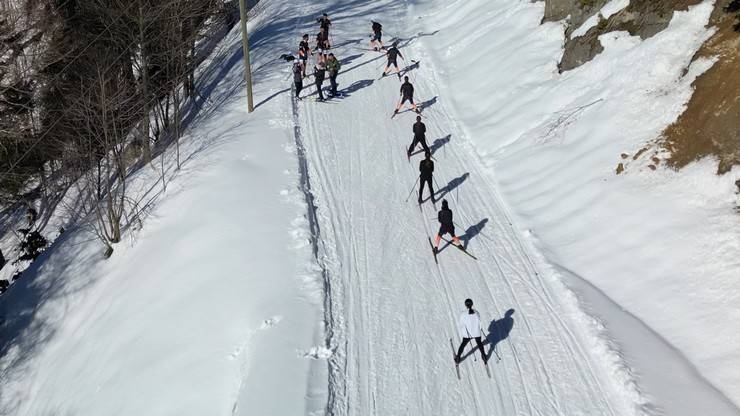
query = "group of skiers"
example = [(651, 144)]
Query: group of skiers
[(326, 61)]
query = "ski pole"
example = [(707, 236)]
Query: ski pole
[(412, 191), (498, 357)]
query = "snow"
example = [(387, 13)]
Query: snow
[(609, 9), (281, 272), (662, 245)]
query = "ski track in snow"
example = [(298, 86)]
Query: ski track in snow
[(393, 309)]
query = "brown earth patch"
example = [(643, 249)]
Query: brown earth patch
[(711, 123)]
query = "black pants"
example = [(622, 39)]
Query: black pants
[(298, 88), (428, 181), (333, 81), (480, 347), (416, 141), (318, 89)]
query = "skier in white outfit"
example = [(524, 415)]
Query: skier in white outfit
[(469, 327)]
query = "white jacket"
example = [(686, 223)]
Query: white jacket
[(469, 324)]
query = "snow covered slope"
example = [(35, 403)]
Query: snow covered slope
[(217, 306)]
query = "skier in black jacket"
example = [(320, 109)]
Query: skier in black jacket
[(376, 41), (324, 23), (298, 78), (304, 49), (419, 137), (407, 94), (322, 42), (392, 54), (426, 174), (446, 226), (319, 75)]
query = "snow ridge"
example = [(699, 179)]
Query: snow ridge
[(317, 242)]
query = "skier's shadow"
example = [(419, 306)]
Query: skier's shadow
[(439, 143), (347, 42), (451, 186), (472, 232), (409, 68), (356, 86), (428, 103), (349, 59), (498, 330)]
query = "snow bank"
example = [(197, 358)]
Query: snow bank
[(661, 244)]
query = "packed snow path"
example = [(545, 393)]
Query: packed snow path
[(393, 309)]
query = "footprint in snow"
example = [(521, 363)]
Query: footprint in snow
[(270, 322), (316, 353)]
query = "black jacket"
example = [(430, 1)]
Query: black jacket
[(426, 169), (419, 129), (407, 89), (377, 27), (445, 217), (393, 53), (319, 75)]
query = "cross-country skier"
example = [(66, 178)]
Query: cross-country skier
[(322, 42), (376, 40), (419, 137), (332, 66), (392, 54), (298, 78), (319, 75), (426, 175), (446, 226), (407, 94), (324, 23), (469, 326), (303, 51)]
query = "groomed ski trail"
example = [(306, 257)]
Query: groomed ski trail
[(393, 309)]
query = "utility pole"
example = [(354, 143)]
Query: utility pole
[(245, 42)]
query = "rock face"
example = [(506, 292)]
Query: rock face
[(642, 18), (578, 10)]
